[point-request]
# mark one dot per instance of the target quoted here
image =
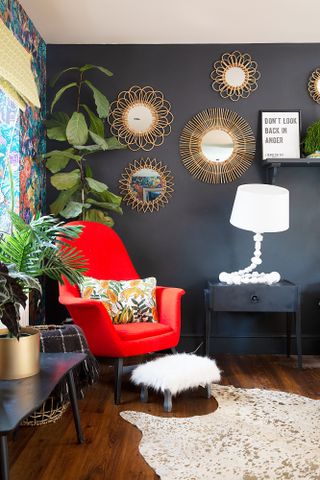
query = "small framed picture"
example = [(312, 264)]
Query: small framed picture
[(280, 134)]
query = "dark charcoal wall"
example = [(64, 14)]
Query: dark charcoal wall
[(191, 240)]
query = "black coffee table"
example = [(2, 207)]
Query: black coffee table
[(19, 398)]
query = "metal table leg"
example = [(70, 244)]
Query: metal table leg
[(289, 317), (298, 337), (208, 323), (74, 406), (4, 457)]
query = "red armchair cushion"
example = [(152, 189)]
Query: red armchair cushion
[(134, 331)]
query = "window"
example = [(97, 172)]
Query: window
[(9, 159)]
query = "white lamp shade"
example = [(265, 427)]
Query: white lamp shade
[(261, 208)]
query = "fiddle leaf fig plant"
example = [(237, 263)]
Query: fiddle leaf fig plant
[(82, 132)]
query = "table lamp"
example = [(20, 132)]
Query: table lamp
[(258, 208)]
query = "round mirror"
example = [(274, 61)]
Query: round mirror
[(314, 85), (146, 184), (217, 145), (140, 118), (235, 76)]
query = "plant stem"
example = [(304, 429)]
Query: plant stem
[(79, 91), (83, 179)]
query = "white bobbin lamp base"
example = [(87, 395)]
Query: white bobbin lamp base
[(248, 275)]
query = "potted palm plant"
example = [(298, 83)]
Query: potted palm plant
[(29, 252)]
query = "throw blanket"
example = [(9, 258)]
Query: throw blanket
[(70, 338)]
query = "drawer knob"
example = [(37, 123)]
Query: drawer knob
[(254, 299)]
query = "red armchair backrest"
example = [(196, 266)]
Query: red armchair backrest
[(106, 255)]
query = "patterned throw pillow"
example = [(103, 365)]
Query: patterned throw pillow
[(127, 301)]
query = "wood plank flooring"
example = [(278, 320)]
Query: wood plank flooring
[(110, 452)]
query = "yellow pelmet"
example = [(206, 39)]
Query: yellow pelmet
[(15, 70)]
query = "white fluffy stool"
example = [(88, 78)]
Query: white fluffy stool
[(172, 374)]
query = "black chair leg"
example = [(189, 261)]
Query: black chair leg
[(118, 370), (173, 350)]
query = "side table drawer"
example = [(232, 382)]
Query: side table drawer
[(254, 298)]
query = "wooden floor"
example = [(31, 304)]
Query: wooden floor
[(111, 452)]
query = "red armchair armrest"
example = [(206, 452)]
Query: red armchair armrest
[(169, 306)]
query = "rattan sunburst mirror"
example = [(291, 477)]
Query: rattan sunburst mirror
[(217, 145), (140, 118), (146, 185), (235, 75), (314, 85)]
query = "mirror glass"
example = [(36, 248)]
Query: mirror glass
[(318, 85), (217, 145), (235, 76), (146, 184), (140, 118)]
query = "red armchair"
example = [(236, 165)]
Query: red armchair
[(108, 260)]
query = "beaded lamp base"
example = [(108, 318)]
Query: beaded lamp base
[(248, 275)]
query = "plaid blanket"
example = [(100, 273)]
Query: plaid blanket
[(70, 338)]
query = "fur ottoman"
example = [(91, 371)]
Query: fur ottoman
[(172, 374)]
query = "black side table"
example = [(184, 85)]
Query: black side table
[(279, 297), (19, 398)]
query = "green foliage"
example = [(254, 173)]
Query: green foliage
[(29, 252), (41, 248), (77, 130), (311, 142), (12, 296), (56, 126), (80, 195)]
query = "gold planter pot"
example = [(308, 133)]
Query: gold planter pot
[(19, 358)]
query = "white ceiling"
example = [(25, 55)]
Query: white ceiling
[(175, 21)]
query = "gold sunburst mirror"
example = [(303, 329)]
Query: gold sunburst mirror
[(140, 118), (146, 185), (217, 145), (314, 85), (235, 75)]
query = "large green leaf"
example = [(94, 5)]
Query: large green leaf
[(101, 101), (88, 171), (94, 215), (64, 181), (105, 205), (73, 209), (68, 153), (88, 148), (59, 159), (57, 163), (107, 196), (61, 92), (99, 140), (77, 130), (98, 67), (56, 77), (96, 124), (56, 126), (114, 144), (96, 186), (62, 200)]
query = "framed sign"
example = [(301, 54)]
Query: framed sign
[(280, 134)]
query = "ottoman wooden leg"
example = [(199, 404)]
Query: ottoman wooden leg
[(167, 404), (144, 394)]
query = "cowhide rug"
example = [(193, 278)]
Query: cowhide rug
[(253, 435)]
